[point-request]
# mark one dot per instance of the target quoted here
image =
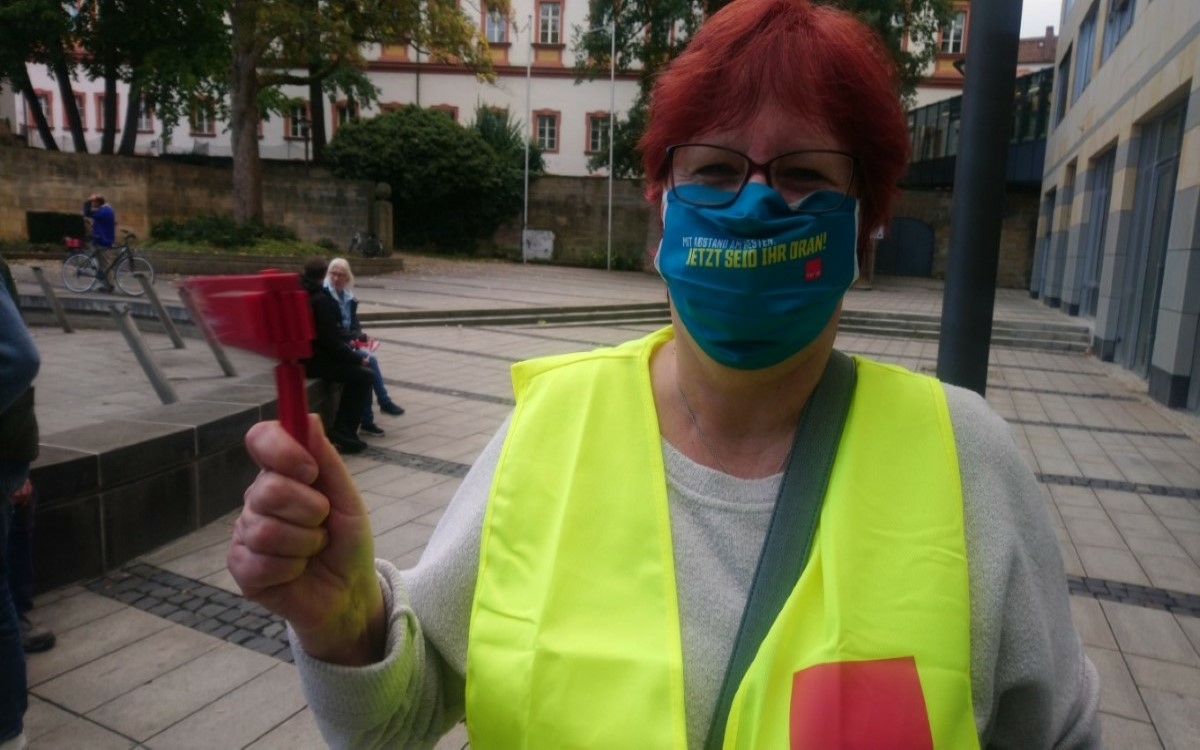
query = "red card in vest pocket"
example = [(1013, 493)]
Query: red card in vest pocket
[(860, 705)]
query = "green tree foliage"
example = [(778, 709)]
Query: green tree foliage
[(169, 54), (39, 31), (503, 134), (450, 187), (650, 33), (279, 42)]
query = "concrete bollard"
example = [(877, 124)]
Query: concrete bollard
[(218, 351), (159, 310), (137, 344), (52, 299)]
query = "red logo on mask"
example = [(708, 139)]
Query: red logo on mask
[(860, 705), (812, 270)]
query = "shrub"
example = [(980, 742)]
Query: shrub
[(450, 187), (219, 231)]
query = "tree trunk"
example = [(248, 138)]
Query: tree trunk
[(243, 95), (35, 108), (109, 138), (316, 115), (132, 110), (66, 92)]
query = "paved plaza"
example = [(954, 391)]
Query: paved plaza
[(165, 654)]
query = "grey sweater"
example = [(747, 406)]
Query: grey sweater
[(1032, 686)]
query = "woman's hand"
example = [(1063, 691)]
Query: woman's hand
[(303, 549)]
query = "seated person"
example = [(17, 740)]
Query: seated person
[(338, 281), (335, 360)]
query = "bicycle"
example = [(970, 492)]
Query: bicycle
[(82, 270), (367, 244)]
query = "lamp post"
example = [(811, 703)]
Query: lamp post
[(612, 113), (612, 125), (529, 135)]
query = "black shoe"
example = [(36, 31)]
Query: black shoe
[(346, 443), (371, 429), (35, 638), (391, 407)]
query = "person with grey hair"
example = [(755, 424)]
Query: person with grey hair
[(338, 282)]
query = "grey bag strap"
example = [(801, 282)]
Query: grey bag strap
[(793, 523)]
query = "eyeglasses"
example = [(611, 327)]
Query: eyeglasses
[(714, 176)]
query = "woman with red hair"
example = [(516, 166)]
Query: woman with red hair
[(726, 533)]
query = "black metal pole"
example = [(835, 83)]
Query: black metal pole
[(979, 188)]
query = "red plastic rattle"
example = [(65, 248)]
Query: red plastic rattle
[(267, 313)]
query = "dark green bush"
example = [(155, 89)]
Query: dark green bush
[(450, 187), (218, 230)]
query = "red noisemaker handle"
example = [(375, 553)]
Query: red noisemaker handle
[(293, 400), (267, 313)]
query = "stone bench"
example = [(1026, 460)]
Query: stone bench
[(110, 492)]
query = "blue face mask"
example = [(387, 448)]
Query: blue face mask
[(757, 281)]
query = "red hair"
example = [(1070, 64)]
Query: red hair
[(820, 64)]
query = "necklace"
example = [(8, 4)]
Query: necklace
[(703, 438)]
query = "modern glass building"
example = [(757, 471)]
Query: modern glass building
[(1119, 225)]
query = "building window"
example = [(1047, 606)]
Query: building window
[(448, 109), (81, 108), (100, 112), (495, 26), (398, 51), (295, 126), (145, 120), (347, 112), (598, 133), (45, 102), (550, 23), (1062, 86), (1120, 18), (203, 120), (954, 34), (547, 131), (1083, 52)]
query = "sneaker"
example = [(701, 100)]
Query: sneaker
[(35, 638), (391, 407), (371, 429), (346, 443), (16, 743)]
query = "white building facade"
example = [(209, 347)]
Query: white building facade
[(535, 81)]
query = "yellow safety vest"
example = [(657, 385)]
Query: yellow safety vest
[(575, 639)]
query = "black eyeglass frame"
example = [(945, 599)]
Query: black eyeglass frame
[(765, 167)]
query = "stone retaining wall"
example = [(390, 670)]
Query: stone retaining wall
[(110, 492), (145, 189)]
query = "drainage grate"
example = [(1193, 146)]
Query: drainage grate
[(1089, 428), (1119, 484), (198, 606), (1175, 602), (416, 461)]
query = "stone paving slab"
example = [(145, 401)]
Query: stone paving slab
[(1121, 477)]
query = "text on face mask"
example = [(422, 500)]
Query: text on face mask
[(715, 253)]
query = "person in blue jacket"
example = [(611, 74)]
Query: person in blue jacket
[(103, 221)]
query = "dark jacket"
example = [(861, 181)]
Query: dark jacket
[(18, 423), (328, 344)]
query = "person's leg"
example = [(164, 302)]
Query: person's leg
[(343, 431), (34, 637), (13, 699), (356, 397), (386, 405)]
